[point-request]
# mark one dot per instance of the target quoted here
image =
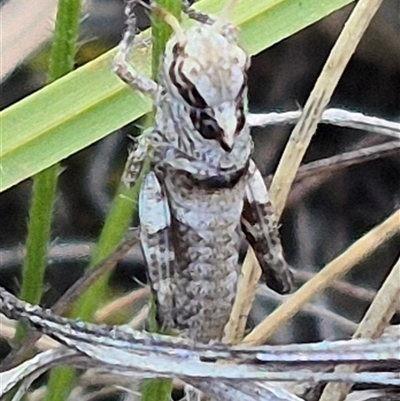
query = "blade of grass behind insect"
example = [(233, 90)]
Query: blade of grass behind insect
[(69, 115)]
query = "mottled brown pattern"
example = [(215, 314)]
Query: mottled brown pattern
[(206, 265)]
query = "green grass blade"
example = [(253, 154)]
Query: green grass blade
[(89, 103), (157, 390)]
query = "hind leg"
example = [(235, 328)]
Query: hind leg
[(155, 226), (260, 227)]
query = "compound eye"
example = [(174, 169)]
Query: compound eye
[(205, 124)]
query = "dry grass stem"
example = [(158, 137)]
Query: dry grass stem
[(372, 326), (313, 175), (247, 288), (91, 276), (7, 331), (338, 267), (319, 98), (317, 311), (121, 303), (338, 162), (302, 135), (339, 117), (348, 289)]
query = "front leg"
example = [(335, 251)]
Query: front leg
[(155, 226), (121, 65), (260, 227), (143, 147)]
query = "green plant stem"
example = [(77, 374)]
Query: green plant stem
[(41, 210), (161, 32), (159, 389), (45, 183), (62, 58)]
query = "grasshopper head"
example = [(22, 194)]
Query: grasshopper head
[(205, 70)]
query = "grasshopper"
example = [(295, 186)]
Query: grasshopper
[(204, 191)]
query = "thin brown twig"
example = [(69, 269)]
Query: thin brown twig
[(312, 175), (101, 268), (344, 160), (121, 303)]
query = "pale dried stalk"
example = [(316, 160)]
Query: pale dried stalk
[(7, 331), (33, 367), (121, 303), (7, 326), (317, 311), (338, 267), (339, 117), (304, 131), (236, 325), (348, 289), (76, 334), (372, 326), (319, 98), (171, 361)]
